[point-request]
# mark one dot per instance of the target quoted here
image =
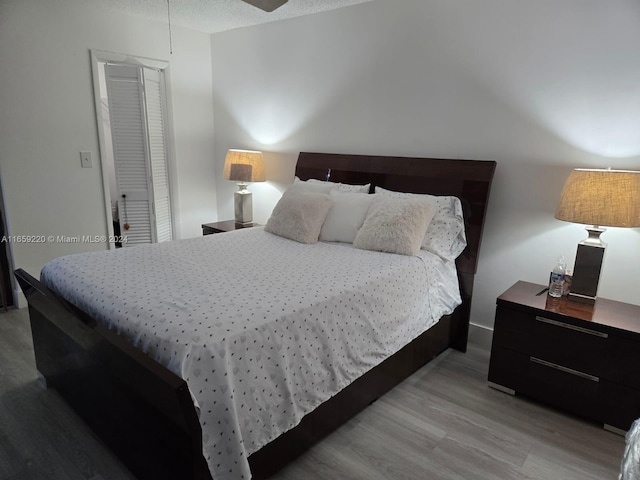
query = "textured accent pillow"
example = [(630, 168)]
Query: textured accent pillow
[(299, 216), (445, 236), (346, 216), (395, 225)]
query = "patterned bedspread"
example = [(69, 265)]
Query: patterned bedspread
[(262, 328)]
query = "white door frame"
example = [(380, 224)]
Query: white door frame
[(101, 56)]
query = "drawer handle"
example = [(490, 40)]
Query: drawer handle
[(564, 369), (572, 327)]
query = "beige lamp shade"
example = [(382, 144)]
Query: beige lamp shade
[(244, 166), (609, 198)]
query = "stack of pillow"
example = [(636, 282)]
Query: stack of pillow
[(388, 221)]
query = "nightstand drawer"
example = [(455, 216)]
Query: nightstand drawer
[(554, 384), (548, 339)]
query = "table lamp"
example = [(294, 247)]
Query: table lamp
[(597, 198), (244, 166)]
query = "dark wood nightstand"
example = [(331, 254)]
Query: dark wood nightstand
[(581, 358), (225, 226)]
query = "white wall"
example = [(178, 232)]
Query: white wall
[(541, 87), (47, 116)]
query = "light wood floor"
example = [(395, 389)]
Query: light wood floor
[(442, 423)]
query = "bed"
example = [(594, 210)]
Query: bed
[(144, 409)]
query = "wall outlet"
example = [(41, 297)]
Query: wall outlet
[(85, 159)]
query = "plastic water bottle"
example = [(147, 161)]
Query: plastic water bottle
[(556, 284)]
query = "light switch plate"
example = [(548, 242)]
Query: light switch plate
[(85, 159)]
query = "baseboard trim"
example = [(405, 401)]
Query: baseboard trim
[(480, 335)]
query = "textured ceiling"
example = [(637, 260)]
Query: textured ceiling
[(215, 15)]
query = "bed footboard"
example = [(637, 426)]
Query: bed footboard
[(142, 411)]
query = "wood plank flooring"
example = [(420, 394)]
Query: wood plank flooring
[(442, 423)]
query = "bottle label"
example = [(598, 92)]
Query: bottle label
[(557, 277)]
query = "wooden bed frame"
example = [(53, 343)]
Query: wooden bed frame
[(144, 412)]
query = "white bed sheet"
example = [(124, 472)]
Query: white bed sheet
[(262, 328)]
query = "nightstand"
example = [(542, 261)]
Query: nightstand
[(221, 227), (581, 358)]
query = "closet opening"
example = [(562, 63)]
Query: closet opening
[(131, 106)]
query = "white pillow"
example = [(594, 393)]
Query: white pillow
[(320, 186), (395, 225), (346, 188), (299, 216), (316, 186), (445, 236), (346, 216)]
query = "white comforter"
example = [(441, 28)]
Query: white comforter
[(262, 328)]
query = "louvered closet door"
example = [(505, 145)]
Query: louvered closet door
[(138, 135), (161, 206)]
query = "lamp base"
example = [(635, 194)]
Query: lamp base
[(586, 271), (243, 206)]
